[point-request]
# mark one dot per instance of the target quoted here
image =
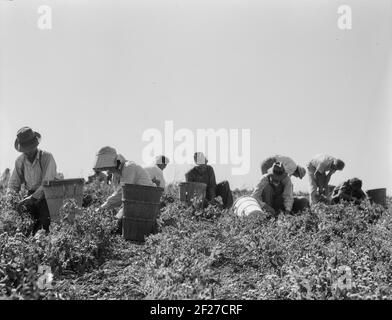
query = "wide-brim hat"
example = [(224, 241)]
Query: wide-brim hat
[(27, 140), (106, 158)]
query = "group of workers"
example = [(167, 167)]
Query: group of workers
[(274, 192)]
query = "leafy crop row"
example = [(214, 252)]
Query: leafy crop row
[(332, 252)]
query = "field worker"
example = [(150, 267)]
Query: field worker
[(5, 177), (290, 167), (319, 178), (350, 190), (275, 190), (123, 172), (32, 168), (204, 173), (156, 171)]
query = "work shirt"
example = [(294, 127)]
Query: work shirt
[(288, 164), (321, 163), (203, 174), (287, 195), (156, 173), (33, 174), (130, 173)]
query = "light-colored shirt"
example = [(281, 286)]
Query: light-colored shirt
[(288, 197), (156, 174), (130, 173), (33, 174), (288, 164), (321, 163)]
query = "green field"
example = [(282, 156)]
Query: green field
[(333, 252)]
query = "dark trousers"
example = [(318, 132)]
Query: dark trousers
[(272, 196), (40, 214), (223, 190)]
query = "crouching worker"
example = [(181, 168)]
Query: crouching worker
[(319, 178), (123, 172), (275, 192), (350, 190), (289, 165), (32, 168), (204, 173)]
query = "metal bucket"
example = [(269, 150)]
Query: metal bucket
[(378, 196), (247, 206), (141, 208), (56, 191), (193, 193)]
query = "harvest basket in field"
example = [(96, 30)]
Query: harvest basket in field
[(193, 193), (57, 191), (141, 208), (378, 196)]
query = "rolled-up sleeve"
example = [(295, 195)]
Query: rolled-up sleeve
[(259, 189), (49, 169)]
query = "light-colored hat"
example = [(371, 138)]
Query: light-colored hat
[(301, 172), (200, 158), (107, 158)]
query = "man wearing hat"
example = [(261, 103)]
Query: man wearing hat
[(319, 178), (123, 172), (156, 171), (204, 173), (275, 192), (289, 165), (32, 168)]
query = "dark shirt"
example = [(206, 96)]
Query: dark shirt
[(346, 192), (203, 174)]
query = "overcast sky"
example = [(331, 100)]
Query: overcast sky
[(108, 70)]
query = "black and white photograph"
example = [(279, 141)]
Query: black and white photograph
[(202, 152)]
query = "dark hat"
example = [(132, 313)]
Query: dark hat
[(27, 140)]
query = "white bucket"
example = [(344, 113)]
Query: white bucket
[(246, 206)]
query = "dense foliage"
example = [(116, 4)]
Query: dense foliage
[(333, 252)]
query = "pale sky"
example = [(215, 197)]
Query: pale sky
[(109, 69)]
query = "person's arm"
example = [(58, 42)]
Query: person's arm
[(128, 176), (288, 197), (259, 189), (362, 195), (49, 173), (115, 200), (211, 183), (188, 176)]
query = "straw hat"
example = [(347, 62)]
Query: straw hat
[(27, 140), (107, 158)]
